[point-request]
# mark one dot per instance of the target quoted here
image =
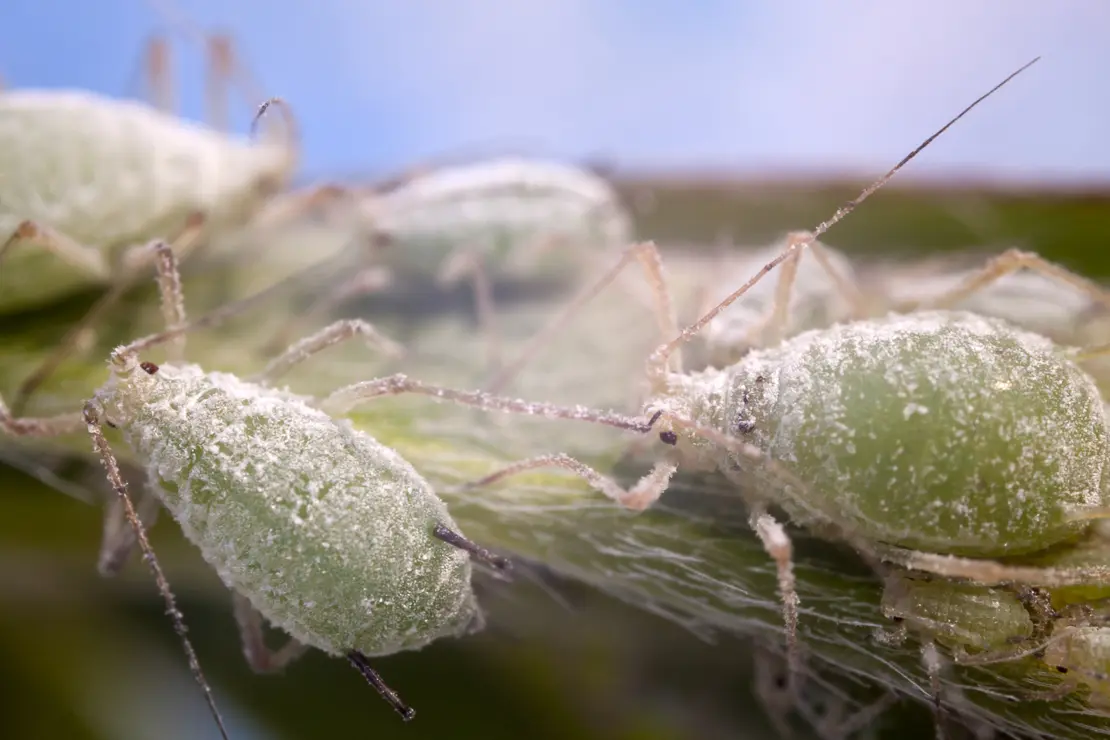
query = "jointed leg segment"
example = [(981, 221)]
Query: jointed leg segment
[(259, 657)]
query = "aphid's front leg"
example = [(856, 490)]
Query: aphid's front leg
[(340, 331), (135, 259), (32, 234), (259, 656), (468, 262), (51, 426), (118, 540), (643, 494), (776, 542), (1011, 261)]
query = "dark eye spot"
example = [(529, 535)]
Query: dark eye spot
[(745, 425), (760, 378), (149, 367), (1061, 669), (668, 438)]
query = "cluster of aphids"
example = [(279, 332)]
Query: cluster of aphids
[(95, 184), (932, 431)]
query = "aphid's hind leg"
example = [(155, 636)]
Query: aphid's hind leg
[(362, 665), (259, 656), (643, 494), (479, 553), (340, 331), (467, 262), (137, 258), (32, 234), (1011, 261), (118, 540), (651, 262)]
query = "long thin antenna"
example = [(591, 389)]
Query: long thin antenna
[(659, 357), (115, 478)]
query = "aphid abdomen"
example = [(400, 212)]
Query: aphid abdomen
[(940, 431), (326, 531), (498, 207)]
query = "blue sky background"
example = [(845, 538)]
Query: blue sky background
[(803, 84)]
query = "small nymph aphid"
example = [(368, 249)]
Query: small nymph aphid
[(312, 524)]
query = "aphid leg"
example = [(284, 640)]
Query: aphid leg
[(340, 331), (368, 281), (933, 662), (259, 657), (479, 553), (773, 690), (118, 539), (659, 360), (80, 331), (1009, 262), (359, 661), (777, 543), (652, 264), (467, 262), (773, 329), (172, 296), (643, 494), (221, 66), (157, 75), (30, 234), (111, 467), (345, 398), (51, 426), (987, 572)]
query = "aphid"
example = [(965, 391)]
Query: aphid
[(833, 420), (773, 411), (497, 218), (312, 524)]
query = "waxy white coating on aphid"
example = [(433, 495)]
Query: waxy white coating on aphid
[(326, 531), (495, 207), (815, 302), (109, 174), (941, 431)]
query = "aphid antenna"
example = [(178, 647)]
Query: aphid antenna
[(100, 445), (667, 357), (223, 65), (659, 359)]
